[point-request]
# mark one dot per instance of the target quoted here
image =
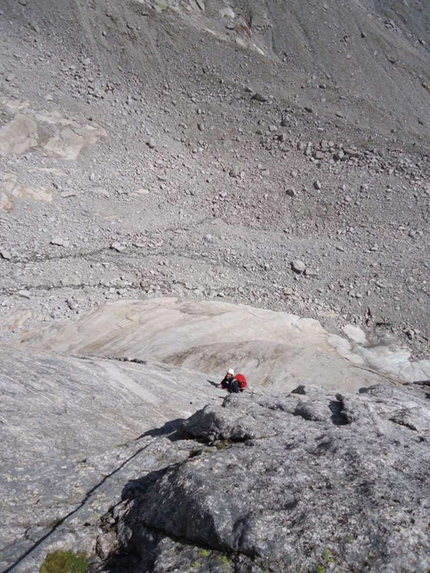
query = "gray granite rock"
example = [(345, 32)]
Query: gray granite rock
[(73, 432), (304, 482)]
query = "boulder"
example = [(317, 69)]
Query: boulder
[(308, 481)]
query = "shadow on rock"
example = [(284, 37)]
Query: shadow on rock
[(338, 417), (137, 550), (170, 430)]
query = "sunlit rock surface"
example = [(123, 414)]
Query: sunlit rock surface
[(274, 349)]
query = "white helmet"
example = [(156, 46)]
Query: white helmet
[(230, 371)]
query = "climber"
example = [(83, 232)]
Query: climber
[(229, 382)]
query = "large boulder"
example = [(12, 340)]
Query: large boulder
[(305, 482)]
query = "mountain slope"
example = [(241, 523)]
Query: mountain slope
[(132, 126)]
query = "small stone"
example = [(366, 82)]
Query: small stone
[(6, 255), (105, 544), (101, 191), (291, 192), (151, 143), (23, 293), (116, 246), (161, 5), (311, 273), (260, 97), (49, 97), (298, 266), (338, 156), (33, 26), (273, 128), (92, 176), (200, 127), (57, 241), (317, 185), (71, 304), (72, 280), (234, 172)]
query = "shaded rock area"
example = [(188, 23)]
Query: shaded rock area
[(309, 481)]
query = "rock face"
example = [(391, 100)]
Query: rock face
[(95, 459), (329, 168), (306, 482), (275, 349), (73, 432)]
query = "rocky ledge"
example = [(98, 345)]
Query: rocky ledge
[(311, 481)]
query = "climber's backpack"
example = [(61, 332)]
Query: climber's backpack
[(241, 381)]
